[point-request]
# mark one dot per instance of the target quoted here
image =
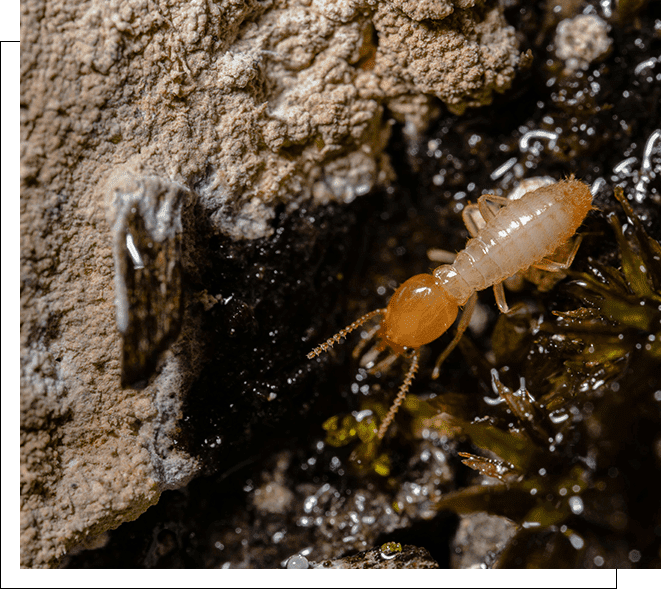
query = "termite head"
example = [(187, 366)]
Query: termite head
[(419, 312)]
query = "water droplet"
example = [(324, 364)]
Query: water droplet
[(297, 562), (558, 416), (576, 505), (576, 541)]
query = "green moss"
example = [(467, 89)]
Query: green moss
[(391, 547), (360, 426)]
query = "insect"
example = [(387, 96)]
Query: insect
[(506, 237)]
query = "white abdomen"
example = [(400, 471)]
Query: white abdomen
[(521, 234)]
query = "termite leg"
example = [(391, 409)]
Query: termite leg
[(551, 265), (441, 256), (369, 358), (487, 211), (358, 350), (401, 395), (461, 328), (499, 293), (386, 363), (475, 217)]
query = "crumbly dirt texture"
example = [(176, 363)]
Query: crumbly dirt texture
[(248, 104), (390, 555)]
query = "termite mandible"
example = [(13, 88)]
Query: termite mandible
[(519, 234)]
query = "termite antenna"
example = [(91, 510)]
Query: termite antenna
[(343, 333), (401, 395)]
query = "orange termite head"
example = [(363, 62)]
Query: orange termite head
[(418, 312)]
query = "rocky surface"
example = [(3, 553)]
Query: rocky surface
[(390, 555), (480, 538)]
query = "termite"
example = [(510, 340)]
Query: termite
[(506, 237)]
